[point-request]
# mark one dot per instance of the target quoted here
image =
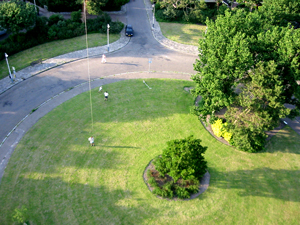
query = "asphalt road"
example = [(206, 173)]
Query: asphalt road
[(19, 101)]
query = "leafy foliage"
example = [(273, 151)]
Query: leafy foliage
[(187, 11), (250, 66), (217, 128), (182, 159), (179, 168), (55, 28), (17, 15)]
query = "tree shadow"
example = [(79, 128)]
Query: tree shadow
[(262, 182), (54, 201)]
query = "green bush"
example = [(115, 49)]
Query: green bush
[(182, 158), (54, 19), (182, 192), (76, 16), (183, 161), (248, 140), (55, 28)]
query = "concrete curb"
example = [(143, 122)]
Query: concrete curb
[(51, 63), (157, 34)]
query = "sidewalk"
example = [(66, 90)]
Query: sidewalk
[(48, 64)]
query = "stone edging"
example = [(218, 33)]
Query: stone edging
[(204, 183)]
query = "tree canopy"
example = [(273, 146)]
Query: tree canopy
[(250, 66), (17, 15)]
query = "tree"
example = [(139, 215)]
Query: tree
[(251, 67), (17, 15)]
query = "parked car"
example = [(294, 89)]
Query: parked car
[(128, 30)]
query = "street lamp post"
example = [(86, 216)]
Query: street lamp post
[(35, 6), (153, 9), (108, 37), (10, 76)]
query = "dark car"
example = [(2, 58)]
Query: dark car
[(128, 30)]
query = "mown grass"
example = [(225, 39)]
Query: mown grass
[(188, 34), (60, 179), (51, 49)]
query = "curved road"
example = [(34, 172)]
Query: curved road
[(19, 101)]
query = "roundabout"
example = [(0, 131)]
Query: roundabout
[(61, 179)]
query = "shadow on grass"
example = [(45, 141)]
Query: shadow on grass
[(54, 201), (285, 141), (262, 182)]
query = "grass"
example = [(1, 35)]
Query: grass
[(51, 49), (188, 34), (60, 179)]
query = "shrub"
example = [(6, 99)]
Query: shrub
[(220, 129), (248, 140), (227, 136), (182, 158), (182, 192), (217, 128), (116, 27), (54, 19), (76, 16)]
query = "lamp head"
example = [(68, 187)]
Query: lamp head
[(5, 55), (108, 26)]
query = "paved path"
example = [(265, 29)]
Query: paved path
[(44, 86)]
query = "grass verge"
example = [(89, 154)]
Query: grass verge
[(60, 179), (51, 49), (188, 34)]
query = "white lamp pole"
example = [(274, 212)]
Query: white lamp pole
[(153, 9), (108, 37), (35, 6), (10, 76)]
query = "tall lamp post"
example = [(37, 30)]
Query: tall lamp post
[(153, 10), (10, 76), (35, 6), (108, 37)]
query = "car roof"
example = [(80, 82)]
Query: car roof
[(129, 26)]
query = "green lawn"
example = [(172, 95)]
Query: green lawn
[(60, 179), (188, 34), (52, 49)]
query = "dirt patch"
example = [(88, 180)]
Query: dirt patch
[(204, 183)]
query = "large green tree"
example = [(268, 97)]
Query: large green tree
[(251, 67), (17, 15)]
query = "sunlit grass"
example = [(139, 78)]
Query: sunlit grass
[(62, 180), (183, 33), (51, 49)]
